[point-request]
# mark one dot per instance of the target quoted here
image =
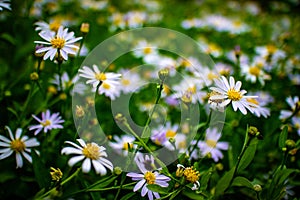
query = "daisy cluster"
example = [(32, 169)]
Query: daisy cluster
[(221, 123)]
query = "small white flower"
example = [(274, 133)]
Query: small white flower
[(122, 144), (108, 81), (61, 42), (230, 92), (20, 145), (91, 154), (130, 81), (48, 122), (292, 102)]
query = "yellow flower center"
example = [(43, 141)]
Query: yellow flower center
[(46, 123), (254, 70), (91, 151), (182, 145), (17, 145), (237, 24), (125, 82), (254, 101), (106, 86), (211, 76), (192, 90), (150, 177), (234, 95), (191, 175), (58, 43), (54, 26), (100, 76), (126, 145), (170, 134), (271, 49), (211, 143), (147, 50)]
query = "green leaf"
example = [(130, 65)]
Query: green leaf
[(127, 196), (248, 155), (242, 182), (193, 195), (224, 182), (283, 137), (103, 182), (157, 188), (13, 111), (205, 179), (42, 174)]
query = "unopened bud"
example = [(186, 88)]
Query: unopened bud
[(257, 187), (253, 131), (290, 144), (63, 96), (162, 74), (85, 28), (56, 174), (219, 166), (79, 111), (117, 170), (34, 76), (52, 90), (120, 118)]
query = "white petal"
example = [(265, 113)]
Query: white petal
[(144, 190), (86, 165), (27, 156), (139, 185), (75, 160), (6, 154), (100, 169), (19, 160)]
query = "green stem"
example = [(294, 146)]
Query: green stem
[(111, 188), (31, 91), (284, 159)]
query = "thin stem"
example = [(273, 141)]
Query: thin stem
[(31, 91), (284, 159)]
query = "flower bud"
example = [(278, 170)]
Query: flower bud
[(85, 28), (56, 174), (253, 131), (34, 76), (120, 118), (117, 170), (290, 144), (162, 74), (257, 187), (79, 111)]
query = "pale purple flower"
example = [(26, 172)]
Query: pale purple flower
[(48, 122)]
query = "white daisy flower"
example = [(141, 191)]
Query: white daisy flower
[(130, 81), (20, 145), (5, 4), (122, 144), (48, 122), (148, 177), (293, 102), (91, 154), (144, 48), (61, 42), (109, 81), (212, 145), (229, 92), (254, 72)]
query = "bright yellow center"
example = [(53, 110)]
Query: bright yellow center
[(211, 143), (106, 86), (147, 50), (234, 95), (254, 70), (170, 134), (125, 81), (182, 145), (54, 26), (17, 145), (271, 49), (254, 101), (150, 177), (91, 151), (212, 47), (100, 76), (211, 76), (56, 174), (58, 43), (126, 145), (192, 90), (237, 24), (46, 123), (191, 174)]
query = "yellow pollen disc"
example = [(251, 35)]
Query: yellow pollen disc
[(237, 24), (100, 77), (46, 123), (254, 70), (271, 49), (182, 145), (192, 90), (125, 81), (211, 143), (211, 76), (254, 101), (91, 151), (126, 144), (58, 43), (234, 95), (170, 134), (147, 50), (212, 47), (54, 26), (150, 177), (17, 145), (106, 86), (191, 174)]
